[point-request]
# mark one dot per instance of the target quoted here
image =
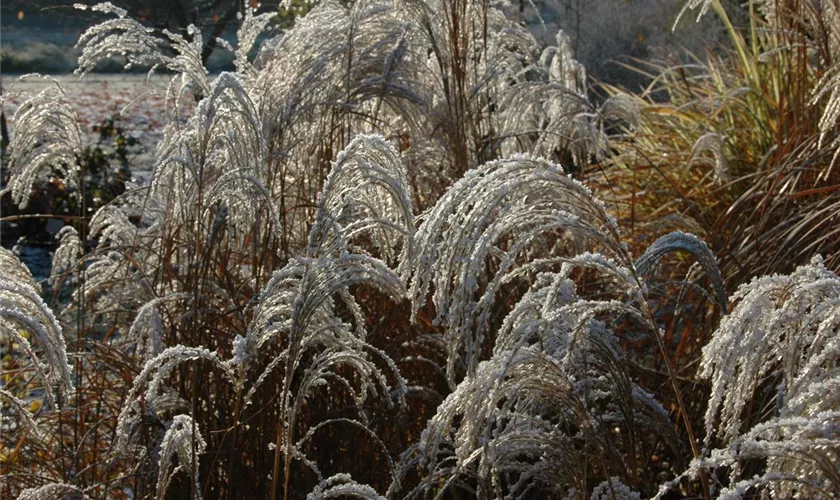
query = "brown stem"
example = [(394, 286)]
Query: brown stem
[(278, 445)]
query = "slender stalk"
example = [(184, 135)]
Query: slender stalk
[(278, 447)]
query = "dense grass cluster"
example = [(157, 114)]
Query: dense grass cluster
[(359, 269)]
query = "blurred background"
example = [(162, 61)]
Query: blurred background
[(39, 35)]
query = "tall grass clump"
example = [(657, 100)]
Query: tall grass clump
[(741, 145), (359, 270)]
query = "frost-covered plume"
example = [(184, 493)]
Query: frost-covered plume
[(16, 271), (179, 53), (297, 310), (505, 213), (113, 283), (554, 108), (818, 20), (562, 66), (251, 26), (622, 107), (828, 89), (525, 424), (552, 314), (333, 57), (586, 140), (552, 360), (477, 429), (111, 225), (384, 66), (297, 307), (463, 74), (788, 325), (122, 36), (501, 224), (337, 72), (142, 46), (146, 331), (773, 366), (342, 486), (713, 143), (67, 255), (51, 491), (178, 442), (47, 136), (25, 417), (217, 160), (116, 279), (187, 60), (149, 390), (648, 264), (614, 489), (236, 160), (366, 192), (23, 310)]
